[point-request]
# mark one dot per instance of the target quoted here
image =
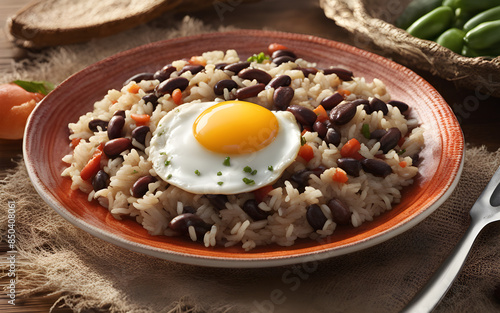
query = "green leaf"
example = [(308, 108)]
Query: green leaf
[(42, 87)]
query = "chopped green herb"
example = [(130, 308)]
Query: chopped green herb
[(302, 141), (135, 172), (365, 130), (401, 152), (259, 58), (161, 134), (220, 183), (248, 181), (270, 168), (227, 161), (163, 153), (219, 173), (167, 162), (247, 169), (197, 172), (42, 87), (169, 176), (254, 172)]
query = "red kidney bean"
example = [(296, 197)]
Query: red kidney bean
[(169, 85), (97, 122), (228, 84), (320, 128), (376, 167), (315, 217), (251, 208), (139, 77), (378, 105), (115, 126), (403, 107), (282, 97), (164, 73), (220, 66), (280, 53), (151, 98), (303, 115), (308, 71), (340, 212), (377, 134), (365, 103), (100, 180), (343, 114), (343, 74), (236, 67), (283, 59), (181, 224), (331, 101), (194, 69), (350, 166), (218, 201), (139, 133), (140, 187), (114, 147), (333, 136), (119, 113), (250, 91), (254, 73), (390, 139), (279, 81)]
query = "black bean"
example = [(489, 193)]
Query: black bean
[(331, 101), (415, 159), (171, 84), (283, 59), (139, 133), (218, 201), (250, 91), (376, 167), (116, 146), (333, 136), (303, 115), (350, 166), (97, 122), (301, 177), (308, 71), (343, 114), (365, 103), (228, 84), (251, 207), (140, 187), (282, 97), (188, 209), (115, 126), (390, 139), (279, 81), (377, 134), (120, 113), (279, 53), (315, 217), (194, 69), (100, 180), (181, 224), (139, 77), (220, 66), (151, 98), (340, 212), (236, 67), (403, 107), (343, 74), (320, 128), (164, 73), (378, 105), (254, 73)]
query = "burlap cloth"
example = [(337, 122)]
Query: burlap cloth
[(89, 273)]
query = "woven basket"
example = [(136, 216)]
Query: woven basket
[(370, 22)]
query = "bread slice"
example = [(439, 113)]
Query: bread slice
[(56, 22)]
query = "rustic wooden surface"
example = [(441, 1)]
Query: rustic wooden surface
[(480, 120)]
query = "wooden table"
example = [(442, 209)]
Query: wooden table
[(480, 123)]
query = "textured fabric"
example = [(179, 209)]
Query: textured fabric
[(88, 272)]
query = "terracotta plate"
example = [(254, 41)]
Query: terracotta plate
[(46, 142)]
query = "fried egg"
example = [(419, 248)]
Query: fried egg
[(223, 147)]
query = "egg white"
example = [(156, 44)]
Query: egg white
[(179, 159)]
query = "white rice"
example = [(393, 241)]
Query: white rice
[(366, 196)]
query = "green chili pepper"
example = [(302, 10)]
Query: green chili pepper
[(432, 24), (462, 17), (472, 5), (485, 16), (452, 39), (487, 53), (483, 36), (415, 10)]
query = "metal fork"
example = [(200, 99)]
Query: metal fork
[(484, 211)]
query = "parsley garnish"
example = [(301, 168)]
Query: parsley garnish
[(247, 169), (270, 168), (219, 173), (302, 140), (169, 176), (259, 58), (167, 162), (248, 181), (227, 161), (220, 183), (365, 130), (197, 172), (401, 152)]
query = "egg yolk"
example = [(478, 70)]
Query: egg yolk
[(235, 127)]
